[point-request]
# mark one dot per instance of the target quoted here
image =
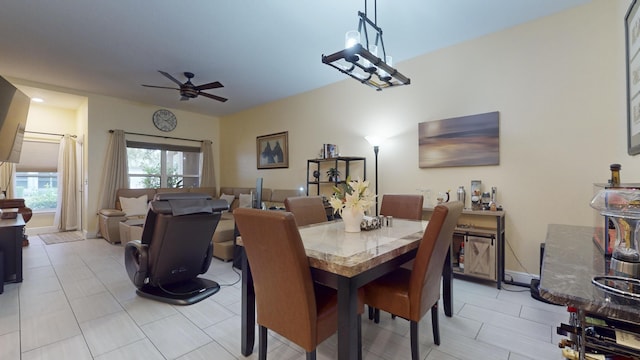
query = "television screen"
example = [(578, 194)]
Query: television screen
[(14, 108), (257, 198)]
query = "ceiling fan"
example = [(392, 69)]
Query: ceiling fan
[(190, 91)]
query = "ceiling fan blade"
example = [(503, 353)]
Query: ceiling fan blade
[(170, 77), (213, 97), (160, 87), (212, 85)]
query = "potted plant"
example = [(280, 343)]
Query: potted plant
[(333, 174)]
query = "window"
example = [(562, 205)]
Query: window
[(37, 175), (162, 165)]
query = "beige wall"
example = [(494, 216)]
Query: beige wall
[(48, 119), (92, 122), (106, 113), (558, 83)]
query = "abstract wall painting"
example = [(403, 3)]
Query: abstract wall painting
[(462, 141)]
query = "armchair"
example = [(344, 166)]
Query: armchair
[(175, 248)]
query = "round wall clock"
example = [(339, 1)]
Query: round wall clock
[(165, 120)]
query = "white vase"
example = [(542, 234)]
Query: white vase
[(352, 219)]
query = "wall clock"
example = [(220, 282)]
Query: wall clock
[(165, 120)]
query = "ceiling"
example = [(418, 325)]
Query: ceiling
[(261, 51)]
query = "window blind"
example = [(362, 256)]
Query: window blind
[(38, 156)]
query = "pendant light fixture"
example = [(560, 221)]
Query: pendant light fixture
[(361, 61)]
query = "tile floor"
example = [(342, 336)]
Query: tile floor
[(76, 302)]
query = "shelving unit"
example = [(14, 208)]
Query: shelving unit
[(353, 166), (601, 322), (483, 234), (607, 336)]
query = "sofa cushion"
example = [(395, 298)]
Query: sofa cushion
[(228, 198), (134, 206), (133, 193), (226, 190), (245, 200), (224, 231), (266, 194), (112, 212), (171, 190), (278, 196), (205, 190), (227, 215)]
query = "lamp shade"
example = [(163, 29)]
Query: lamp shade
[(374, 140), (373, 49), (351, 38), (383, 75)]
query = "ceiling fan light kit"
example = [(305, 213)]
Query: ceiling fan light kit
[(188, 90), (362, 62)]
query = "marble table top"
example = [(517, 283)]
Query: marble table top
[(332, 249), (571, 260)]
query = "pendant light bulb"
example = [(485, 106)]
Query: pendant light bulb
[(351, 38)]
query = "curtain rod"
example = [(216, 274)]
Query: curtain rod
[(46, 133), (159, 136)]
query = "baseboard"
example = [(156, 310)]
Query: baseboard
[(90, 235), (41, 230), (519, 277)]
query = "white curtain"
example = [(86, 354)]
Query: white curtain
[(66, 217), (115, 169), (208, 176), (8, 179)]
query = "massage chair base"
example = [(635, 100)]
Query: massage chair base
[(185, 293)]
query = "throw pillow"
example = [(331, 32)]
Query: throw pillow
[(134, 206), (246, 200), (228, 198)]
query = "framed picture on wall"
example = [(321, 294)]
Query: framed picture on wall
[(471, 140), (272, 151), (632, 32)]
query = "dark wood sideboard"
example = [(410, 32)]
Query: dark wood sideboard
[(22, 210)]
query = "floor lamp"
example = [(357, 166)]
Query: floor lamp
[(375, 142)]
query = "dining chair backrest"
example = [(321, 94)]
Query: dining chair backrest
[(285, 296), (306, 209), (424, 287), (402, 206)]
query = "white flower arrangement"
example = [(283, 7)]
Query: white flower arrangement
[(353, 195)]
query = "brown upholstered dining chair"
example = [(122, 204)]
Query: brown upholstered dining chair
[(288, 301), (402, 206), (411, 293), (306, 209)]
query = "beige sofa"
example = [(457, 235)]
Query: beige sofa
[(109, 219), (223, 238)]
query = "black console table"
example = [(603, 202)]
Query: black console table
[(11, 235), (571, 260)]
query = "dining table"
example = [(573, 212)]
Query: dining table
[(346, 261)]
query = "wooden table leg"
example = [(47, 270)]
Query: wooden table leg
[(248, 316), (347, 319)]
